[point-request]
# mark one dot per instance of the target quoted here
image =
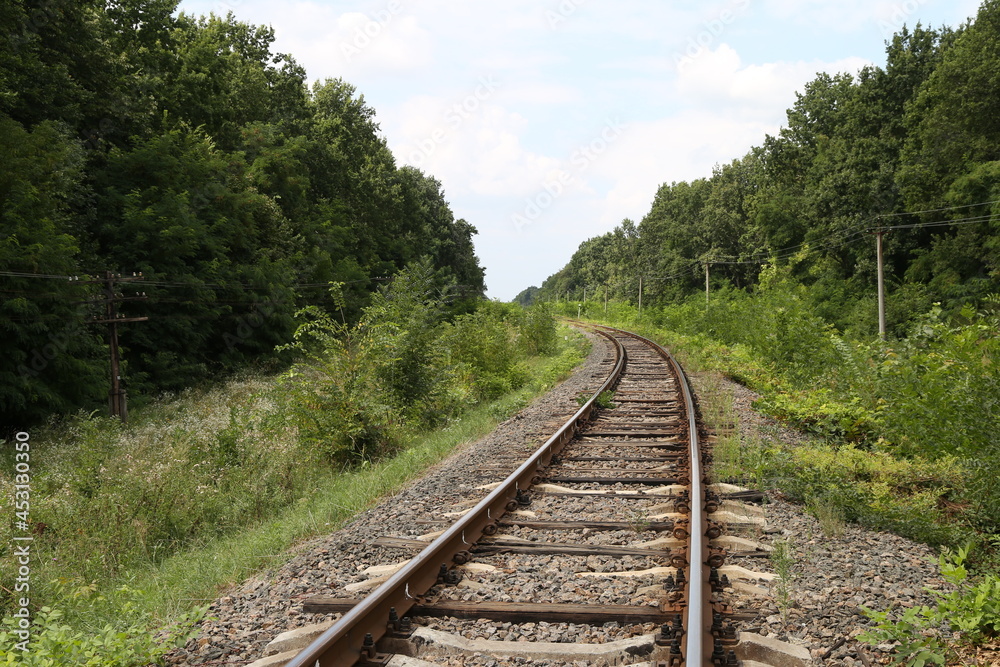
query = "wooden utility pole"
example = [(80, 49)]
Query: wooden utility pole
[(706, 283), (640, 296), (116, 396), (881, 284)]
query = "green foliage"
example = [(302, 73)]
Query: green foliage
[(111, 498), (873, 489), (606, 400), (44, 336), (337, 395), (198, 490), (937, 388), (484, 344), (408, 363), (970, 612), (830, 517), (50, 641), (538, 330), (907, 446)]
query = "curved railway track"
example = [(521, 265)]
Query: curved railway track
[(593, 477)]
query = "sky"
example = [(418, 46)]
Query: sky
[(548, 122)]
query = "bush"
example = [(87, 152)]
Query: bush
[(538, 331), (485, 343), (357, 389), (941, 392)]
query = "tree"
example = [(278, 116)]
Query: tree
[(43, 319)]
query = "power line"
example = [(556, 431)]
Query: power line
[(937, 210), (945, 223), (22, 274)]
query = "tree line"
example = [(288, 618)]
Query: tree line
[(184, 149), (911, 149)]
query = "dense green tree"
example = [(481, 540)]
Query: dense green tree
[(43, 319), (227, 78), (951, 157)]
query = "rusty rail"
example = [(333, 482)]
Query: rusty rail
[(698, 639), (341, 645)]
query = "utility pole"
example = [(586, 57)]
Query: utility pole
[(640, 296), (605, 299), (881, 284), (116, 396), (706, 283)]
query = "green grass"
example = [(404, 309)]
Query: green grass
[(198, 574)]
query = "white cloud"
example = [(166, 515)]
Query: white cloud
[(683, 147), (383, 40), (474, 147), (843, 15), (719, 78), (545, 93), (852, 15)]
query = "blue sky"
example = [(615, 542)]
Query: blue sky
[(548, 122)]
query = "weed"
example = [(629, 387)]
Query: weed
[(829, 515), (119, 643), (605, 399), (638, 522), (783, 559), (726, 459), (200, 490)]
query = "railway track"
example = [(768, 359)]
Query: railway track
[(613, 509)]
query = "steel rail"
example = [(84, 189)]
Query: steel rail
[(698, 641), (341, 644)]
